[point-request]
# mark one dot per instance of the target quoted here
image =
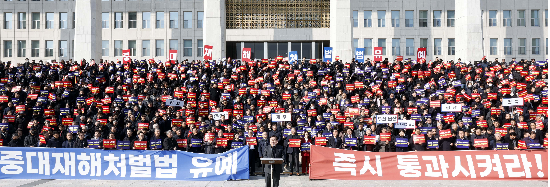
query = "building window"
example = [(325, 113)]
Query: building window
[(118, 47), (507, 46), (132, 47), (535, 42), (145, 45), (8, 17), (74, 20), (35, 51), (22, 22), (132, 20), (173, 44), (409, 18), (200, 48), (450, 18), (159, 22), (546, 46), (200, 17), (105, 48), (521, 18), (62, 48), (49, 48), (35, 20), (535, 18), (493, 46), (367, 21), (159, 48), (437, 18), (62, 20), (119, 20), (49, 20), (7, 48), (146, 23), (492, 18), (105, 20), (355, 18), (521, 48), (21, 48), (187, 48), (424, 44), (423, 18), (546, 18), (395, 47), (368, 46), (506, 18), (381, 18), (355, 43), (395, 18), (173, 20), (409, 48), (187, 20), (437, 46), (451, 48), (382, 43)]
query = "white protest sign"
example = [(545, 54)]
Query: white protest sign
[(512, 102), (386, 119), (451, 108), (277, 117), (173, 102), (405, 124), (220, 115)]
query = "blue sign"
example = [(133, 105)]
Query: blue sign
[(433, 144), (502, 146), (157, 144), (462, 144), (292, 56), (360, 54), (305, 146), (123, 144), (401, 142), (327, 54), (75, 163)]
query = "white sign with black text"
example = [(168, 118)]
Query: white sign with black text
[(277, 117), (512, 102), (451, 108), (405, 124), (173, 102), (386, 119), (220, 115)]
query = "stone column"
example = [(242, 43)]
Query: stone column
[(341, 29), (87, 39), (213, 32), (468, 30)]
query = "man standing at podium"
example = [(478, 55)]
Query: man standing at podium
[(273, 151)]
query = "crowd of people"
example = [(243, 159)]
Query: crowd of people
[(83, 104)]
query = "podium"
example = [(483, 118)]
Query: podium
[(271, 161)]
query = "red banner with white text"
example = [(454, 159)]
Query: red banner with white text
[(331, 163)]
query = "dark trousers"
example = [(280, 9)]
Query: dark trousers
[(252, 159), (276, 178), (294, 162)]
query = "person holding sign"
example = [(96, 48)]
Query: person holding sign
[(221, 143), (141, 138), (252, 153), (194, 135), (306, 153), (418, 140), (462, 143), (347, 138), (293, 151), (401, 142)]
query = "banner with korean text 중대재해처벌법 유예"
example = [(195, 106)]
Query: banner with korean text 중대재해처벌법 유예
[(41, 163)]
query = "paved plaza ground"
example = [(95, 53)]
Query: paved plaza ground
[(258, 181)]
